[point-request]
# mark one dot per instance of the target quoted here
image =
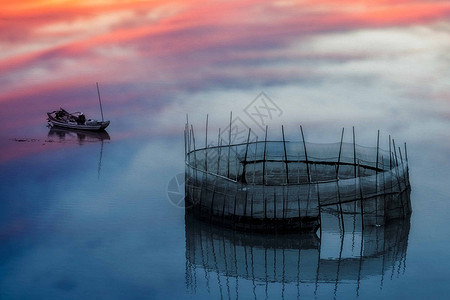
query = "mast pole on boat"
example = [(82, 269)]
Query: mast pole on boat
[(100, 101)]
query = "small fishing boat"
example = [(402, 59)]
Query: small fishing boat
[(76, 120)]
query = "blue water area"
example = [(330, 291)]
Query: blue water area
[(87, 217)]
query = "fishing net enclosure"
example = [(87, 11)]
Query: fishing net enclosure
[(282, 186)]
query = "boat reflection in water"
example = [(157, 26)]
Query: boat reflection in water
[(81, 137), (246, 265), (72, 135)]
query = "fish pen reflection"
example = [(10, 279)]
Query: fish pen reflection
[(251, 265)]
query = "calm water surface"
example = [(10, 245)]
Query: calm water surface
[(88, 217)]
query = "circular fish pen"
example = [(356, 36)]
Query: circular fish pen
[(282, 186)]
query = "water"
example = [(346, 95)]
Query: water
[(89, 217), (92, 219)]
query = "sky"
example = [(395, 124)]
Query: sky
[(326, 63)]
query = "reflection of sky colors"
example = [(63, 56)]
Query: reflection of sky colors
[(67, 231), (157, 60)]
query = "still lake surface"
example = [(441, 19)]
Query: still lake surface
[(88, 217)]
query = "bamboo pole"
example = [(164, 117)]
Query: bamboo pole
[(206, 144), (398, 177), (406, 153), (254, 158), (306, 155), (320, 209), (362, 200), (340, 206), (274, 204), (354, 163), (229, 146), (403, 167), (390, 153), (354, 150), (384, 191), (219, 152), (339, 156), (195, 153), (264, 158), (185, 146), (407, 164), (390, 163), (376, 168), (285, 155), (244, 164), (245, 204), (284, 204), (396, 165)]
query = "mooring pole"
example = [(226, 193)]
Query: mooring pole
[(339, 156), (306, 155), (285, 156)]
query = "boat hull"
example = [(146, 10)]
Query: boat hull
[(98, 127)]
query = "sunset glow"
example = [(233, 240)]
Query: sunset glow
[(148, 53)]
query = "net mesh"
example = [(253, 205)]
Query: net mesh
[(276, 183)]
